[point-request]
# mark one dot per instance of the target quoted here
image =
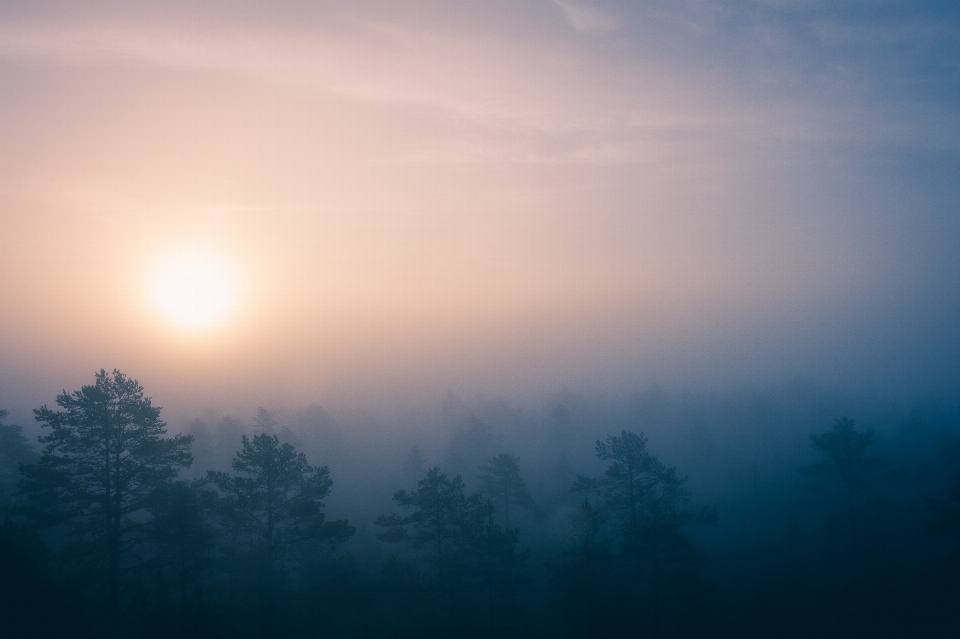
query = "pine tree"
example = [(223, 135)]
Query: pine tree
[(592, 596), (274, 502), (14, 451), (440, 527), (503, 484), (648, 503), (184, 535), (104, 460), (272, 510), (848, 462), (497, 563), (439, 517)]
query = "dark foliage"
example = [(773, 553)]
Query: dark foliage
[(99, 474), (849, 463), (657, 561), (252, 554), (15, 451), (502, 482), (271, 512), (473, 562), (26, 586)]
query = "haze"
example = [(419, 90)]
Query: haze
[(489, 198)]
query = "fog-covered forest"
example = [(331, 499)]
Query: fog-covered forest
[(479, 318), (797, 511)]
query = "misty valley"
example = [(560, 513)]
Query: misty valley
[(659, 514)]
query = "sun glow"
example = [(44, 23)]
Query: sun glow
[(194, 291)]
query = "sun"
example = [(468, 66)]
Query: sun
[(194, 291)]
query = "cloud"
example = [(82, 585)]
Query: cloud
[(586, 18), (508, 102)]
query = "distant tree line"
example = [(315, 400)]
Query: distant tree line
[(101, 537)]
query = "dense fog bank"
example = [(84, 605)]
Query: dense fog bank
[(795, 509)]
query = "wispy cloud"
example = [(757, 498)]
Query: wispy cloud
[(585, 17), (522, 109)]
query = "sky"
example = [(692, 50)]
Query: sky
[(488, 198)]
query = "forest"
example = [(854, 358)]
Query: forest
[(799, 511)]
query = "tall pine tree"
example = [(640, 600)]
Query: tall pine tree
[(105, 458)]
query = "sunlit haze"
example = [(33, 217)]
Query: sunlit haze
[(513, 319), (193, 291), (384, 201)]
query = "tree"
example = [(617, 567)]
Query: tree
[(438, 526), (628, 483), (14, 451), (273, 509), (26, 588), (457, 533), (103, 461), (648, 502), (663, 555), (183, 533), (497, 562), (439, 518), (590, 586), (848, 462), (503, 483), (275, 500)]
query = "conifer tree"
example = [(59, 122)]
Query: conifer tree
[(848, 462), (648, 503), (475, 561), (439, 521), (274, 501), (503, 484), (14, 451), (272, 510), (184, 534), (590, 586), (441, 527), (104, 460)]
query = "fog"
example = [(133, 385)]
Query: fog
[(783, 547), (486, 199), (446, 232)]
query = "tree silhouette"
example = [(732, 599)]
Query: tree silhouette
[(628, 483), (103, 461), (439, 527), (848, 462), (502, 482), (663, 555), (593, 597), (497, 564), (25, 586), (648, 502), (275, 500), (439, 517), (183, 532), (14, 451), (273, 509)]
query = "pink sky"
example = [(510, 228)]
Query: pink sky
[(483, 197)]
